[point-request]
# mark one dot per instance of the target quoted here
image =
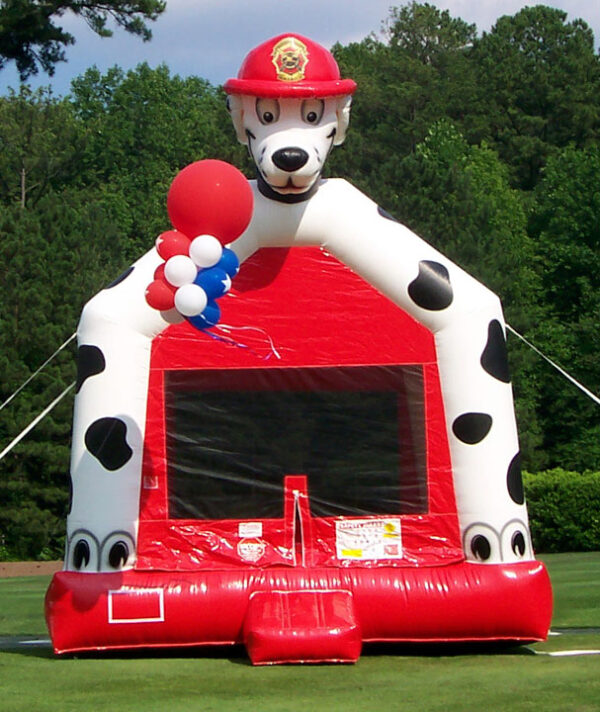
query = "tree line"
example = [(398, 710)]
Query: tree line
[(485, 144)]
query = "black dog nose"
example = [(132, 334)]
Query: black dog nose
[(290, 159)]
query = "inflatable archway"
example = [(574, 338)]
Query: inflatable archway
[(319, 451)]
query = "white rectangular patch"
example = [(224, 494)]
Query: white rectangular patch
[(250, 530), (368, 539), (136, 605)]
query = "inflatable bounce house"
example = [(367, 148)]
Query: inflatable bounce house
[(294, 425)]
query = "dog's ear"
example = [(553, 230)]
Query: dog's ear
[(236, 110), (343, 116)]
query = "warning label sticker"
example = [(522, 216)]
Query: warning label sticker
[(251, 550), (368, 539)]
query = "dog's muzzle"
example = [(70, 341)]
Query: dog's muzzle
[(290, 159)]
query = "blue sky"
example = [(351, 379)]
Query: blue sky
[(209, 38)]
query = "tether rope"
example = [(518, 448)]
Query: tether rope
[(40, 369), (568, 376), (35, 421)]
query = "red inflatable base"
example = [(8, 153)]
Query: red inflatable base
[(278, 615)]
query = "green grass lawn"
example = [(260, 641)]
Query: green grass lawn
[(389, 678)]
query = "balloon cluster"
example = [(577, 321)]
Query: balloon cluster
[(210, 204), (193, 276)]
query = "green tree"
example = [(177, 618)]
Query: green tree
[(565, 225), (30, 34), (415, 74), (540, 78), (41, 143), (54, 257), (143, 127), (425, 33)]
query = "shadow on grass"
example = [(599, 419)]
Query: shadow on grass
[(445, 650), (236, 654), (21, 645)]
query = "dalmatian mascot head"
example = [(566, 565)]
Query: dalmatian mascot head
[(290, 107)]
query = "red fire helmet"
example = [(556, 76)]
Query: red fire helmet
[(289, 65)]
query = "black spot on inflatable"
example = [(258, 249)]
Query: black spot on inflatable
[(471, 428), (481, 548), (518, 544), (105, 439), (514, 481), (121, 278), (118, 555), (494, 358), (90, 362), (431, 289), (386, 215), (81, 554)]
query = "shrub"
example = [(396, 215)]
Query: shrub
[(564, 510)]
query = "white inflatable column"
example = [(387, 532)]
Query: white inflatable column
[(114, 338)]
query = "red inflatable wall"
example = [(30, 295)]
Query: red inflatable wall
[(297, 491)]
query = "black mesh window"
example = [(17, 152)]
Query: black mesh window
[(357, 433)]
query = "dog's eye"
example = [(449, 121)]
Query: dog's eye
[(312, 110), (267, 110)]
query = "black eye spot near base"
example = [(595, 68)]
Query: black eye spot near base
[(494, 358), (431, 289), (81, 554), (118, 555), (90, 362), (386, 215), (514, 480), (471, 428), (106, 440), (121, 278), (480, 547), (517, 544)]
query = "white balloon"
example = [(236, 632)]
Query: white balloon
[(180, 270), (190, 300), (205, 250)]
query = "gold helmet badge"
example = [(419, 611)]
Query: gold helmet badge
[(290, 57)]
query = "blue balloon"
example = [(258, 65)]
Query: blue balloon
[(209, 317), (229, 262), (214, 281)]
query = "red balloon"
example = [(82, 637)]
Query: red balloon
[(210, 198), (171, 243), (160, 296)]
